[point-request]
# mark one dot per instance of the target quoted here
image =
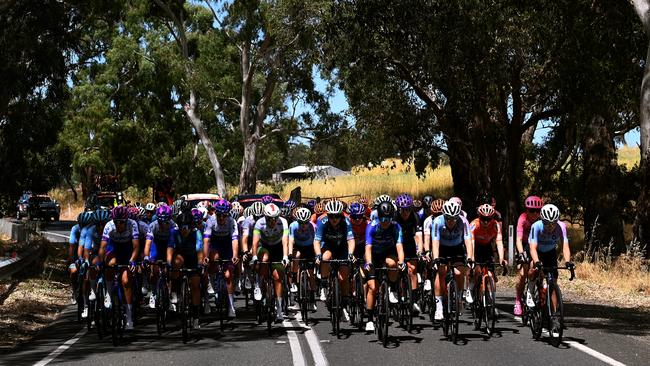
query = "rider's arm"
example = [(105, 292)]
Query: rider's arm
[(435, 239), (292, 228), (566, 249), (532, 244), (135, 241), (369, 232), (499, 241), (398, 244), (469, 240), (318, 236), (350, 233), (207, 232), (520, 234), (244, 235)]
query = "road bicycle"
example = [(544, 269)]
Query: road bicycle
[(305, 293), (548, 306), (334, 296), (382, 303), (452, 302), (484, 293), (185, 299)]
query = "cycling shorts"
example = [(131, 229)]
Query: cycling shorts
[(340, 252), (456, 251), (190, 258), (483, 254), (549, 259)]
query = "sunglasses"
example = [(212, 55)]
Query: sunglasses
[(548, 223), (119, 221), (185, 227), (402, 210), (356, 217), (485, 219), (385, 219), (271, 219), (449, 218), (333, 216), (534, 210), (222, 215)]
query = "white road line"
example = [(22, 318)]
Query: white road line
[(55, 234), (580, 347), (314, 343), (294, 343), (54, 354)]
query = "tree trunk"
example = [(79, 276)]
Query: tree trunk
[(642, 220), (603, 223), (190, 110), (248, 177), (74, 191)]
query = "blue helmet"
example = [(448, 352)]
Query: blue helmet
[(356, 209)]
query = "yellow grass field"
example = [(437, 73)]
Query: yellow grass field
[(628, 156)]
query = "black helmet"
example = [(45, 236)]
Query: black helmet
[(427, 200), (386, 209), (185, 218)]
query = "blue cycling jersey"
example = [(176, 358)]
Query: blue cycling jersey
[(302, 236), (450, 236), (383, 239)]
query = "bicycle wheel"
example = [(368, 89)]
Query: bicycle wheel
[(380, 311), (335, 307), (359, 301), (535, 313), (185, 313), (453, 301), (556, 318), (91, 314), (100, 311), (270, 306), (477, 306), (159, 306), (116, 318), (80, 302), (489, 305), (304, 295), (386, 317)]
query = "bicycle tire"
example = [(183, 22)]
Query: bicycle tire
[(80, 302), (380, 310), (477, 305), (159, 307), (535, 314), (100, 313), (360, 303), (184, 312), (334, 303), (556, 318), (116, 321), (270, 307), (304, 296), (386, 307), (453, 302), (489, 305)]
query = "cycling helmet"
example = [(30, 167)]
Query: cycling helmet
[(404, 201), (101, 216), (334, 207), (197, 214), (436, 206), (427, 200), (311, 204), (457, 200), (204, 212), (534, 202), (160, 204), (133, 213), (271, 210), (451, 208), (485, 210), (247, 211), (120, 213), (382, 198), (236, 205), (150, 207), (364, 201), (550, 213), (285, 212), (356, 209), (81, 220), (290, 204), (164, 213), (386, 209), (319, 209), (185, 218), (417, 204), (267, 199), (175, 209), (222, 206), (302, 214), (257, 209), (141, 211), (237, 209), (87, 218)]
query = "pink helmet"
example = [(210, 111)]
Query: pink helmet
[(534, 202), (457, 200)]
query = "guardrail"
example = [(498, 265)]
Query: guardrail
[(21, 232)]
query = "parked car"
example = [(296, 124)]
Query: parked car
[(104, 199), (194, 198), (23, 203), (39, 206)]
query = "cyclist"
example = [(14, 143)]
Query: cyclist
[(256, 211), (287, 210), (545, 236), (383, 248), (357, 212), (150, 212), (221, 241), (89, 242), (451, 238), (409, 221), (119, 246), (378, 201), (463, 214), (533, 206), (435, 210), (301, 245), (270, 244), (426, 207), (334, 240), (183, 251), (73, 254), (485, 230), (486, 198), (155, 247)]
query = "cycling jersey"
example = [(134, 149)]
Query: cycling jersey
[(359, 231), (302, 236), (271, 236), (426, 226), (90, 238), (221, 236), (188, 247), (383, 240), (334, 237), (112, 236), (159, 239), (374, 215), (548, 241), (485, 235), (75, 234), (450, 236), (410, 227), (523, 228)]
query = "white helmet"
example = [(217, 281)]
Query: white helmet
[(457, 200), (257, 209), (271, 210), (485, 210), (382, 198), (302, 214), (204, 212), (247, 211), (236, 205), (150, 207), (451, 208), (550, 213), (334, 207)]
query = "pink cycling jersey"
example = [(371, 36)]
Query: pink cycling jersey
[(523, 228)]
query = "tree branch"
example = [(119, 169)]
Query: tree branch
[(540, 116), (425, 95)]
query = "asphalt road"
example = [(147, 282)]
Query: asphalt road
[(596, 335)]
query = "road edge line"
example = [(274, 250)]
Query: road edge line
[(62, 348), (296, 350), (313, 342), (573, 344)]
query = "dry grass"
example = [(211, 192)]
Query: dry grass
[(34, 304), (71, 208), (628, 156), (392, 178)]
